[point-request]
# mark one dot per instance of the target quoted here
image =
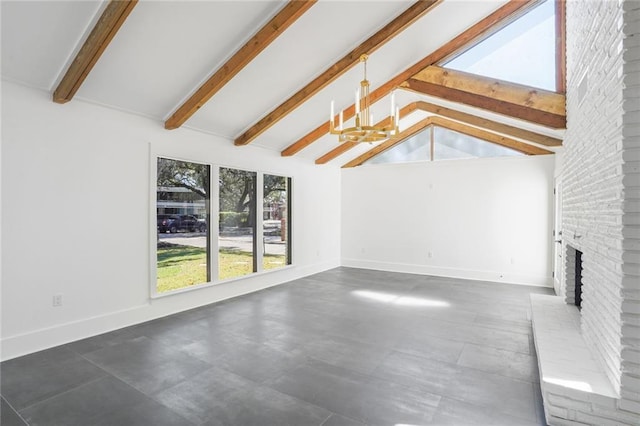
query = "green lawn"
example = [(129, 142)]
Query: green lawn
[(184, 266), (181, 266), (234, 263)]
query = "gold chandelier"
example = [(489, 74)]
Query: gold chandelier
[(364, 130)]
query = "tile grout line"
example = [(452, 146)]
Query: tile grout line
[(328, 417), (65, 392), (15, 411), (464, 345), (369, 376)]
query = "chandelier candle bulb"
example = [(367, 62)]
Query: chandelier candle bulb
[(341, 119), (357, 101), (393, 103), (332, 116)]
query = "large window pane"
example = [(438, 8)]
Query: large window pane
[(415, 148), (275, 223), (446, 145), (237, 223), (182, 208), (449, 144)]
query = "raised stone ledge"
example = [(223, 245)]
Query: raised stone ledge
[(575, 388)]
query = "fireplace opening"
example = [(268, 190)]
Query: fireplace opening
[(578, 280)]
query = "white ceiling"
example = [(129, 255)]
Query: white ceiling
[(166, 49)]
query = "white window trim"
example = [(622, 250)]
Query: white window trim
[(214, 214)]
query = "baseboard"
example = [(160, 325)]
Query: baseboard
[(467, 274), (59, 334)]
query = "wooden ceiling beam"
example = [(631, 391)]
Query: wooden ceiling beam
[(485, 123), (336, 152), (101, 35), (315, 134), (491, 137), (500, 90), (521, 112), (346, 146), (290, 13), (459, 116), (389, 143), (401, 22), (504, 14)]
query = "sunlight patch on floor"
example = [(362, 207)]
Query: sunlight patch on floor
[(395, 299)]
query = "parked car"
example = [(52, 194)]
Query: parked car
[(175, 223), (164, 221)]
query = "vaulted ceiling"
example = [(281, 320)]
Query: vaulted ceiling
[(264, 72)]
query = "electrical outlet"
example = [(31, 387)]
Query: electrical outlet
[(57, 300), (429, 255)]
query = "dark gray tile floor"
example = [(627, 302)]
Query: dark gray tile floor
[(345, 347)]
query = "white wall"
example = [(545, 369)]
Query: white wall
[(486, 219), (75, 196)]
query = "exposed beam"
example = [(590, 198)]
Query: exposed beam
[(293, 10), (101, 35), (459, 116), (489, 136), (501, 107), (500, 90), (336, 152), (389, 143), (561, 46), (409, 16), (489, 124), (314, 135), (478, 30), (346, 146)]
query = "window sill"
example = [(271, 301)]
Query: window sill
[(220, 282)]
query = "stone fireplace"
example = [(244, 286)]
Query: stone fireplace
[(589, 357)]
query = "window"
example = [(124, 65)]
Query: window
[(275, 224), (436, 143), (251, 210), (182, 214), (449, 144), (501, 54), (236, 237), (415, 148)]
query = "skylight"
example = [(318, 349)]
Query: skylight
[(523, 52)]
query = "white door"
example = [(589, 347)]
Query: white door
[(558, 250)]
